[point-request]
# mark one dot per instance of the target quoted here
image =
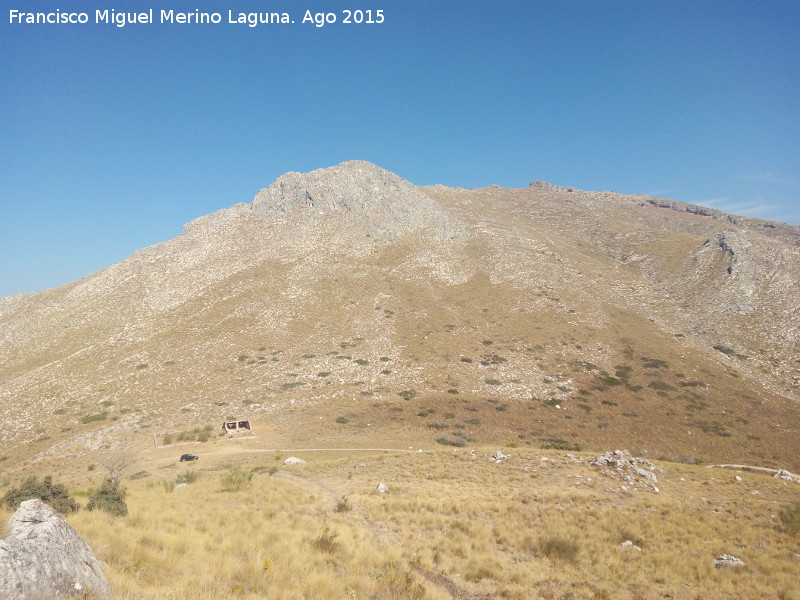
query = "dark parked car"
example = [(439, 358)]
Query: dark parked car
[(185, 457)]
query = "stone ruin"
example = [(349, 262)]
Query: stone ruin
[(237, 426)]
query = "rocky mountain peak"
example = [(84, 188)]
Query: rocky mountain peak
[(354, 186), (357, 190)]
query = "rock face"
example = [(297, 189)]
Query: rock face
[(43, 557)]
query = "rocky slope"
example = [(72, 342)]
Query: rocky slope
[(350, 286)]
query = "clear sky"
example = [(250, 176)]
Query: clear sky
[(112, 138)]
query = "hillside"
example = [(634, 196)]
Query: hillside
[(541, 316)]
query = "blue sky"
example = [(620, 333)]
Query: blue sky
[(112, 138)]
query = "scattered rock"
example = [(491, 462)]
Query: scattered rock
[(726, 560), (382, 488), (737, 478), (631, 470), (292, 460), (181, 485), (786, 475), (43, 557), (627, 544), (498, 456)]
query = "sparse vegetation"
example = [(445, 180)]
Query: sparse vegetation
[(194, 435), (559, 444), (559, 549), (86, 419), (790, 518), (326, 542), (187, 477), (236, 479), (730, 351)]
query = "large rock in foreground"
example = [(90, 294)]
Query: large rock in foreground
[(43, 557)]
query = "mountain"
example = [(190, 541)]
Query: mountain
[(543, 316)]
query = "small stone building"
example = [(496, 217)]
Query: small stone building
[(237, 426)]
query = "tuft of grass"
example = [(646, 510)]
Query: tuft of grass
[(326, 542), (790, 518), (236, 479), (342, 420), (187, 477), (559, 549)]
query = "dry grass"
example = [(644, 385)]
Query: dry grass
[(272, 539), (453, 525)]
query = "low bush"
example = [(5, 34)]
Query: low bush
[(55, 495), (343, 505), (326, 542), (458, 441), (109, 498)]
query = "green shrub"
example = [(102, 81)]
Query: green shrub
[(559, 444), (660, 385), (86, 419), (55, 495), (236, 479), (453, 440), (342, 420), (110, 498)]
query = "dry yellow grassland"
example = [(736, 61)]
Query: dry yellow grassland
[(453, 525)]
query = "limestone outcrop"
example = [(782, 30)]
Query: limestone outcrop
[(43, 557)]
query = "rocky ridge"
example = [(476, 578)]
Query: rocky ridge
[(350, 281)]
